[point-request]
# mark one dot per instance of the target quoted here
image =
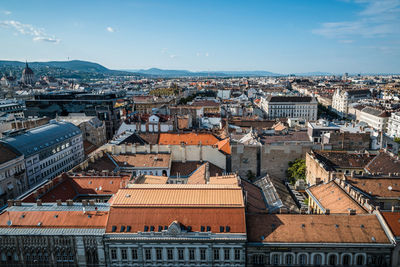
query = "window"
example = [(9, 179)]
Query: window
[(275, 259), (360, 260), (170, 254), (332, 260), (147, 254), (191, 254), (317, 259), (289, 259), (303, 259), (227, 254), (259, 259), (180, 254), (237, 254), (113, 254), (346, 260), (216, 254), (203, 254), (159, 253), (124, 254), (134, 254)]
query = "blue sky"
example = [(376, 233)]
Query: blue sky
[(285, 36)]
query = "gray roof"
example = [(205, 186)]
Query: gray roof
[(291, 99), (77, 206), (372, 111), (32, 141)]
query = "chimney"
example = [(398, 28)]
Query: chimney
[(70, 202), (84, 202), (91, 202), (59, 203), (283, 210), (327, 211), (39, 202), (18, 202), (352, 212), (207, 172), (10, 202)]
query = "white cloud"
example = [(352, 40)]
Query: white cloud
[(110, 29), (6, 12), (206, 54), (379, 18), (38, 34), (172, 56)]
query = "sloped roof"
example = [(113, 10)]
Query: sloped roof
[(309, 228), (54, 219), (224, 146), (179, 195), (333, 197), (393, 221), (187, 138), (8, 153), (36, 139), (384, 163), (377, 187), (139, 217), (143, 160)]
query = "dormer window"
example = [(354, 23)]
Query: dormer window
[(146, 228), (221, 229), (122, 228), (114, 228)]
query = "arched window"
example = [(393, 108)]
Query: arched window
[(332, 260), (317, 259), (275, 259), (258, 259), (289, 259), (346, 260), (360, 260), (303, 259)]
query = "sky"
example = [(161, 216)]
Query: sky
[(285, 36)]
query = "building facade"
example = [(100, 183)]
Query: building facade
[(48, 150), (393, 126), (343, 98), (290, 107)]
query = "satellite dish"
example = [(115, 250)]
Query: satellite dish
[(9, 222)]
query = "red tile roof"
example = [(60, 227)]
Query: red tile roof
[(55, 219), (334, 228), (393, 221), (139, 217), (187, 138)]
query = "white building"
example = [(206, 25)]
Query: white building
[(305, 107), (150, 124), (49, 150), (393, 126), (375, 118), (343, 98)]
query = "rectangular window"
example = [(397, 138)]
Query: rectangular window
[(226, 254), (216, 254), (134, 254), (159, 254), (237, 254), (180, 254), (147, 254), (203, 254), (113, 254), (170, 254), (191, 254), (124, 254)]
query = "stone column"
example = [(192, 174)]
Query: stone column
[(80, 251)]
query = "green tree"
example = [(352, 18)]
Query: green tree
[(297, 170)]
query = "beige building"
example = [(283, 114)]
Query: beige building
[(12, 173), (93, 130)]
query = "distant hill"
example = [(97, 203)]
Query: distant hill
[(185, 73), (315, 73), (67, 69)]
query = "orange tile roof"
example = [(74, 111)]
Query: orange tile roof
[(231, 179), (151, 179), (187, 138), (331, 196), (376, 187), (139, 217), (55, 219), (179, 195), (393, 221), (199, 176), (72, 186), (143, 160), (299, 228), (224, 146)]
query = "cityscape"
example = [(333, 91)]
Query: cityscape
[(200, 133)]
